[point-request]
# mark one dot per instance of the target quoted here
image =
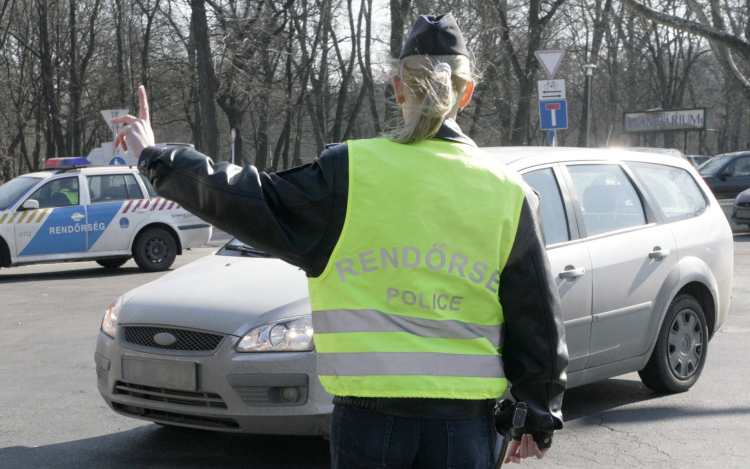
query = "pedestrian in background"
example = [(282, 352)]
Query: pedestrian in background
[(429, 281)]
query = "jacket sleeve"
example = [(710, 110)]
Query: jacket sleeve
[(534, 351), (295, 215)]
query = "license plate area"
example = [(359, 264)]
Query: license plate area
[(160, 373)]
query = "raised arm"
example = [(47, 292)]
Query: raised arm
[(295, 215)]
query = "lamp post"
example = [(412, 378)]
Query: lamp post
[(589, 76)]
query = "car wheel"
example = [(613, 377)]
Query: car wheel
[(154, 250), (112, 263), (680, 352)]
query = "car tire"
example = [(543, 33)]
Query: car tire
[(154, 250), (112, 263), (680, 352)]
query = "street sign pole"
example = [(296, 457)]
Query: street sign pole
[(233, 133), (553, 109)]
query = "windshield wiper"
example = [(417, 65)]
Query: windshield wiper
[(246, 250)]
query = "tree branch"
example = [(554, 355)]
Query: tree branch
[(700, 29)]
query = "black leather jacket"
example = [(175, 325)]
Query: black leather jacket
[(297, 216)]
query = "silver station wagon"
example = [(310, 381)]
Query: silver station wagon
[(641, 252)]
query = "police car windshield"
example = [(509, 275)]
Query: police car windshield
[(235, 245), (710, 167), (15, 188)]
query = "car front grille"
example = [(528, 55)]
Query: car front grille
[(177, 417), (171, 396), (187, 341)]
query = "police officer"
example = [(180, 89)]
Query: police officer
[(428, 276)]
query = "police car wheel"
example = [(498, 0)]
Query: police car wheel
[(155, 250), (680, 352), (112, 263)]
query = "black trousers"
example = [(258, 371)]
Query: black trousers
[(364, 438)]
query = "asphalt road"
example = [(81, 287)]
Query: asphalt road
[(51, 415)]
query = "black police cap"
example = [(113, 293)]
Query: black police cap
[(435, 35)]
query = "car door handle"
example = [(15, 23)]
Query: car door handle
[(658, 253), (572, 272)]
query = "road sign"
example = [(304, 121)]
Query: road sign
[(111, 114), (553, 114), (550, 89), (550, 60)]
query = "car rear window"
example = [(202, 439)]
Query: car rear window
[(608, 199), (553, 212), (674, 190)]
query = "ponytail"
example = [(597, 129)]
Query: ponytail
[(438, 82)]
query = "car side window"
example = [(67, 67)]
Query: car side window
[(674, 190), (134, 190), (149, 187), (108, 188), (740, 167), (61, 192), (609, 201), (551, 203)]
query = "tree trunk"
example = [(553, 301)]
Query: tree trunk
[(54, 135), (206, 80), (600, 24), (399, 11)]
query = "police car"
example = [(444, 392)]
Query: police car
[(74, 212)]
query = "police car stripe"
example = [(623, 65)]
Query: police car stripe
[(127, 206)]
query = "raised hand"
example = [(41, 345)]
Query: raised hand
[(136, 133)]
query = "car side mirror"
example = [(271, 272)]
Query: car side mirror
[(30, 204), (724, 176)]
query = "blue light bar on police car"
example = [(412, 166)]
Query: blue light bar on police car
[(66, 163)]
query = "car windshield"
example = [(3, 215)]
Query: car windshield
[(235, 245), (15, 188), (711, 166)]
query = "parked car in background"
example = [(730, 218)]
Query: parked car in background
[(641, 252), (108, 214), (741, 208), (697, 160), (728, 174)]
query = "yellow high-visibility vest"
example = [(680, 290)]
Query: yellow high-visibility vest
[(408, 303)]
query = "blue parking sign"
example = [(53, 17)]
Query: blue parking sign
[(553, 114)]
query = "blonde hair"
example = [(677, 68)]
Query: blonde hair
[(438, 83)]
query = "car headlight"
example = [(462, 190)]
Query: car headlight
[(287, 335), (109, 323)]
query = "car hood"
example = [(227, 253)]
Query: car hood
[(224, 294)]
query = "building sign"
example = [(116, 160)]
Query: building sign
[(665, 121)]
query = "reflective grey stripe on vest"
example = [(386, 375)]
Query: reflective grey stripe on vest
[(370, 320), (410, 363)]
